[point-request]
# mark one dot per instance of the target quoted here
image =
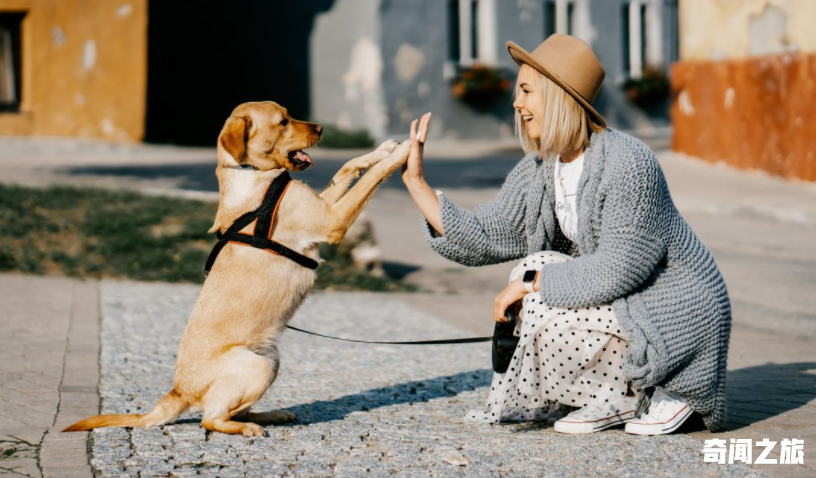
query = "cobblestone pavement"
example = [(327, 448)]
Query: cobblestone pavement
[(362, 409)]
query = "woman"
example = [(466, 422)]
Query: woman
[(625, 314)]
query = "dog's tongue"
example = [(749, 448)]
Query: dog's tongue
[(301, 156)]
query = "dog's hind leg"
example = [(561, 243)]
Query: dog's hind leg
[(242, 379), (353, 169)]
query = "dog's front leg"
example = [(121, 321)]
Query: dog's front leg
[(343, 213), (352, 170)]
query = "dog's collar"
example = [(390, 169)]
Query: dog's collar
[(261, 236)]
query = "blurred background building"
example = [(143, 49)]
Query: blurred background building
[(746, 84), (171, 72), (379, 64)]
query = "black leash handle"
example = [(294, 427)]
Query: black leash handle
[(466, 340)]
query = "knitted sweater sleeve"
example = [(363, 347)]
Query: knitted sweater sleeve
[(630, 243), (492, 233)]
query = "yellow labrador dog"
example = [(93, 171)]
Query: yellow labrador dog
[(227, 357)]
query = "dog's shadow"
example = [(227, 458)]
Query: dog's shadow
[(418, 391), (445, 386)]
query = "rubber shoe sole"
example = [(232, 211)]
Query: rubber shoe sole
[(568, 425), (662, 428)]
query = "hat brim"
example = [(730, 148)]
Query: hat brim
[(521, 57)]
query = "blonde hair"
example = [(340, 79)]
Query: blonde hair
[(565, 124)]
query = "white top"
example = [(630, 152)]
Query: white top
[(566, 178)]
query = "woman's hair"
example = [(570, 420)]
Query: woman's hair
[(565, 124)]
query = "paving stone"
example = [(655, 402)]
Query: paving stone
[(362, 409)]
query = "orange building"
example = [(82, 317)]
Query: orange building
[(73, 68), (745, 87)]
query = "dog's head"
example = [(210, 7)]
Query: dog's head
[(264, 136)]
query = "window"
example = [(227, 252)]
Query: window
[(559, 17), (453, 31), (634, 34), (472, 32), (10, 73), (549, 18)]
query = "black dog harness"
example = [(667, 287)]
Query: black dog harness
[(261, 236)]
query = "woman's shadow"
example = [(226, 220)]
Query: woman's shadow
[(765, 391), (757, 393)]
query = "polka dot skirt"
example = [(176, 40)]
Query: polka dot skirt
[(564, 356)]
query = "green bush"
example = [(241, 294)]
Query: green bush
[(334, 137)]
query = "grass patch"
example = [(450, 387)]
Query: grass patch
[(85, 232), (334, 137)]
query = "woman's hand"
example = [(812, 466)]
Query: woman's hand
[(510, 296), (414, 178), (412, 171)]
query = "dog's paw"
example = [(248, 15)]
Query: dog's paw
[(400, 153), (388, 147), (252, 430)]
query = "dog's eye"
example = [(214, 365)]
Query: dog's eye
[(284, 122)]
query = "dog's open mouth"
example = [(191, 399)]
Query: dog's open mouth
[(300, 158)]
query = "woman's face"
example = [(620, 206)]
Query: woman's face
[(528, 102)]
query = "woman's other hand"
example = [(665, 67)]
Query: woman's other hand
[(510, 296), (414, 178)]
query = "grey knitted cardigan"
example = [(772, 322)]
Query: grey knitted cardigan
[(635, 251)]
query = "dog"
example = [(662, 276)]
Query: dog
[(228, 357)]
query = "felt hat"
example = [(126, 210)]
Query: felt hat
[(570, 63)]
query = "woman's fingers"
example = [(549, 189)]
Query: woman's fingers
[(499, 308), (423, 127), (413, 130)]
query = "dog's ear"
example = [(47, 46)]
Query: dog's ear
[(234, 135)]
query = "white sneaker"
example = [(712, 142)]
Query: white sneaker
[(597, 417), (666, 413)]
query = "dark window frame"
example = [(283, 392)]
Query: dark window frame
[(454, 26), (12, 22)]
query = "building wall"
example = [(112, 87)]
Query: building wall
[(746, 86), (84, 69), (379, 64), (728, 29)]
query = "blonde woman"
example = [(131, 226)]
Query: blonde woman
[(624, 314)]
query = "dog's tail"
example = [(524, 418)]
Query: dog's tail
[(167, 409)]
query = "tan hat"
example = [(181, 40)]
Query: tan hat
[(570, 63)]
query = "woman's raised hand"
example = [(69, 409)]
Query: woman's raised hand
[(412, 172), (414, 178)]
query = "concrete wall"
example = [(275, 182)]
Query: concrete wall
[(346, 67), (416, 77), (84, 69), (746, 88), (721, 29)]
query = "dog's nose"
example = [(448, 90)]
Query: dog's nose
[(319, 129)]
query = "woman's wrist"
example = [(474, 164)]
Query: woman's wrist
[(536, 286), (415, 182)]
